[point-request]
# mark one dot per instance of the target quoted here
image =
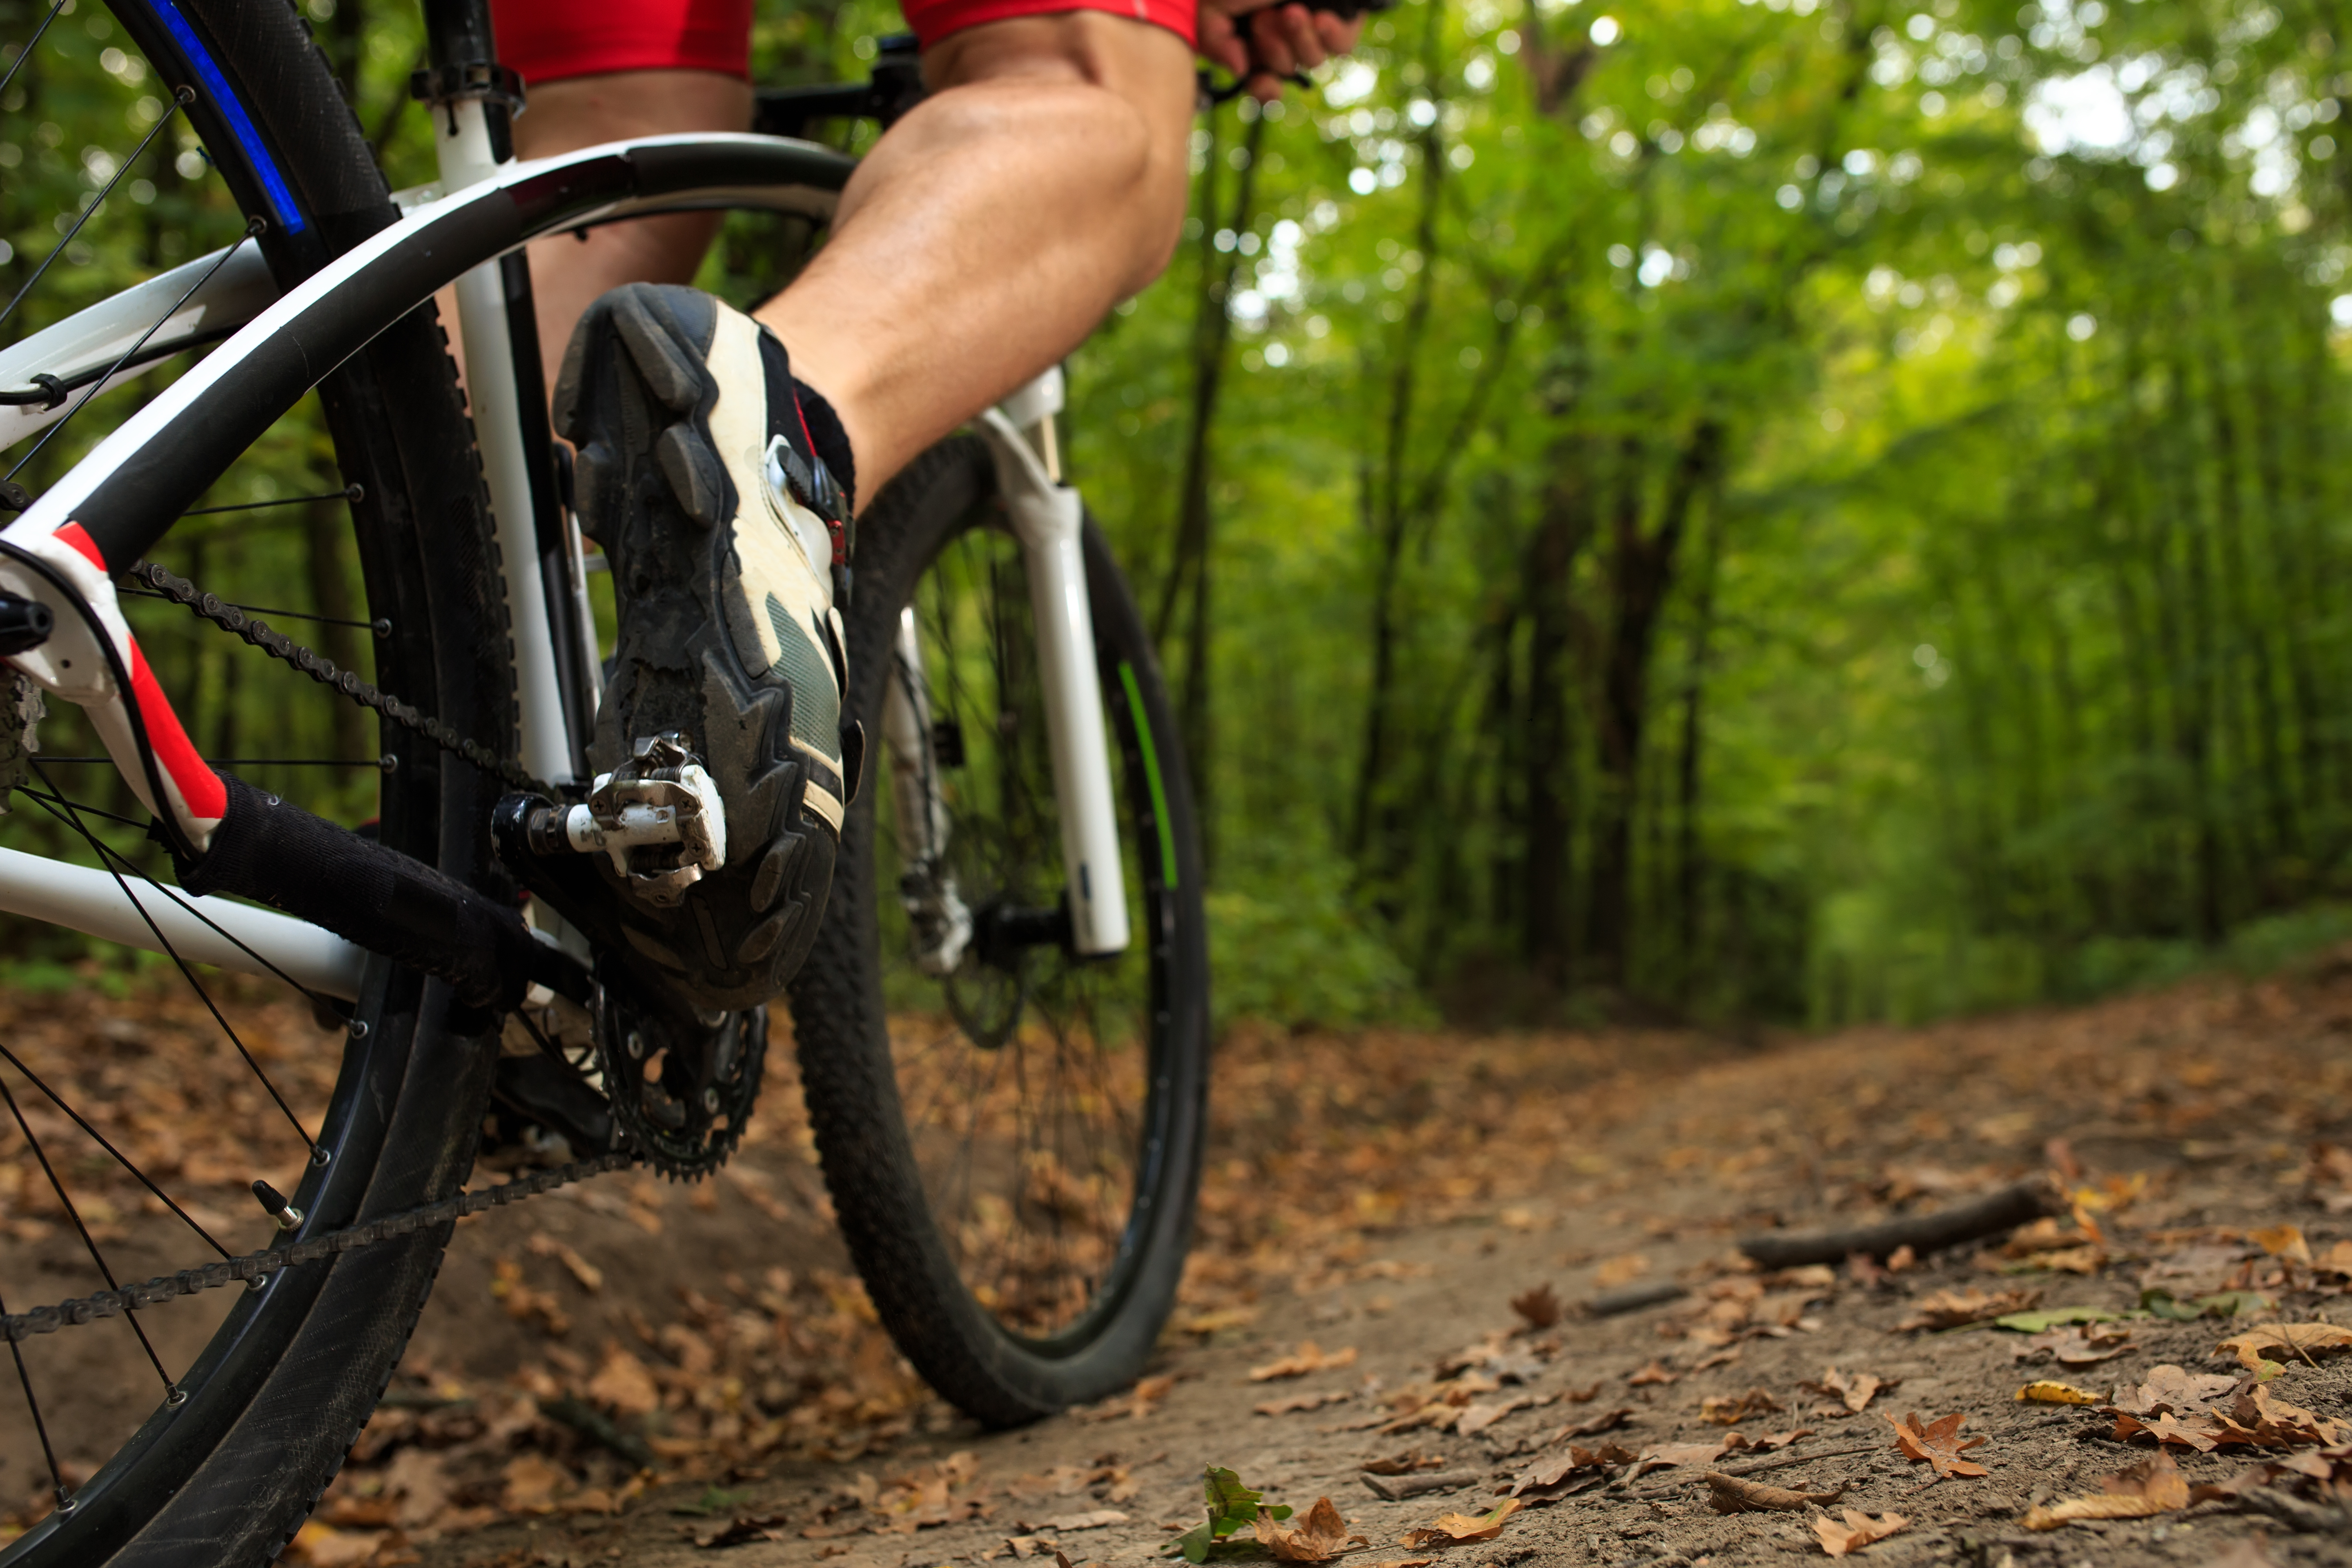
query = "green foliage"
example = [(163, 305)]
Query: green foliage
[(1288, 942), (1231, 1507)]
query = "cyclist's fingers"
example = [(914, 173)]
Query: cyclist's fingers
[(1339, 34), (1305, 37), (1271, 43), (1221, 42)]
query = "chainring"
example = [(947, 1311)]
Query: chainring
[(681, 1090)]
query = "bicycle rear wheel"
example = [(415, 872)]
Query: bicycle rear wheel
[(250, 1425), (1013, 1146)]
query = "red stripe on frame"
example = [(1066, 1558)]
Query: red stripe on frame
[(201, 787), (73, 534)]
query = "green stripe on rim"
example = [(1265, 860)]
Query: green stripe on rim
[(1151, 773)]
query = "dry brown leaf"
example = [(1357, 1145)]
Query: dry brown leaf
[(1737, 1494), (590, 1277), (2170, 1387), (1457, 1527), (1730, 1410), (1600, 1421), (1403, 1464), (623, 1383), (530, 1484), (1621, 1270), (1656, 1373), (2284, 1341), (1537, 1307), (1298, 1402), (1938, 1443), (1319, 1535), (2048, 1391), (2283, 1241), (1856, 1530), (1092, 1519), (2153, 1486), (1855, 1389), (2336, 1259), (321, 1545), (1660, 1455), (1308, 1357), (1478, 1417), (1956, 1308)]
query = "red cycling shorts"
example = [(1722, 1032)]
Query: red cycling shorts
[(548, 40)]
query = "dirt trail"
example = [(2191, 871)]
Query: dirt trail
[(1385, 1198)]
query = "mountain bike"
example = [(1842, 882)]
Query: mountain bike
[(1000, 1028)]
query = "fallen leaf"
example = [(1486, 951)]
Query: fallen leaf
[(2170, 1387), (1940, 1443), (1308, 1357), (1318, 1537), (1854, 1391), (321, 1545), (1601, 1421), (2336, 1259), (2153, 1486), (1539, 1308), (1403, 1464), (624, 1383), (1095, 1518), (1856, 1530), (2298, 1340), (2052, 1317), (1622, 1270), (2283, 1241), (1457, 1527), (1736, 1494), (1957, 1308), (1554, 1469), (1662, 1456), (2044, 1390), (530, 1484), (1656, 1373), (1218, 1321), (1298, 1402), (1478, 1417), (590, 1277), (1730, 1410)]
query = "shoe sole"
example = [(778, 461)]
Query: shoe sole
[(635, 398)]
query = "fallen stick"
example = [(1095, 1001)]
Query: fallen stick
[(1753, 1467), (1992, 1215), (1632, 1297)]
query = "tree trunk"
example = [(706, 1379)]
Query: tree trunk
[(1549, 758), (1640, 571)]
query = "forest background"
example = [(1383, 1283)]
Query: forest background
[(1785, 511)]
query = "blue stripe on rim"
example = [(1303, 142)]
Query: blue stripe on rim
[(265, 167)]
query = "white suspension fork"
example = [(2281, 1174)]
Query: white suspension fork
[(935, 907), (1046, 517), (462, 139)]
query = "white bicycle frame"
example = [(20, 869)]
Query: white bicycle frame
[(1046, 515)]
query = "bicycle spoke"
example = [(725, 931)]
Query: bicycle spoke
[(89, 1241), (55, 9), (252, 228), (180, 100), (317, 1154), (348, 493), (115, 861), (48, 1451), (120, 1157)]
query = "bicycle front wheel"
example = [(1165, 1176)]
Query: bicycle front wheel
[(1012, 1134)]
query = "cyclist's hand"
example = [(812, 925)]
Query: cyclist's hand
[(1262, 43)]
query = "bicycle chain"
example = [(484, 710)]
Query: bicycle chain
[(255, 1266), (322, 669)]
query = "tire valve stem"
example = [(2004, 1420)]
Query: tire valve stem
[(274, 1204)]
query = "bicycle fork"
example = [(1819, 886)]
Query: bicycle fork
[(1047, 518)]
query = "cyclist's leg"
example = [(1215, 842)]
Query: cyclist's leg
[(568, 272), (1042, 182)]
